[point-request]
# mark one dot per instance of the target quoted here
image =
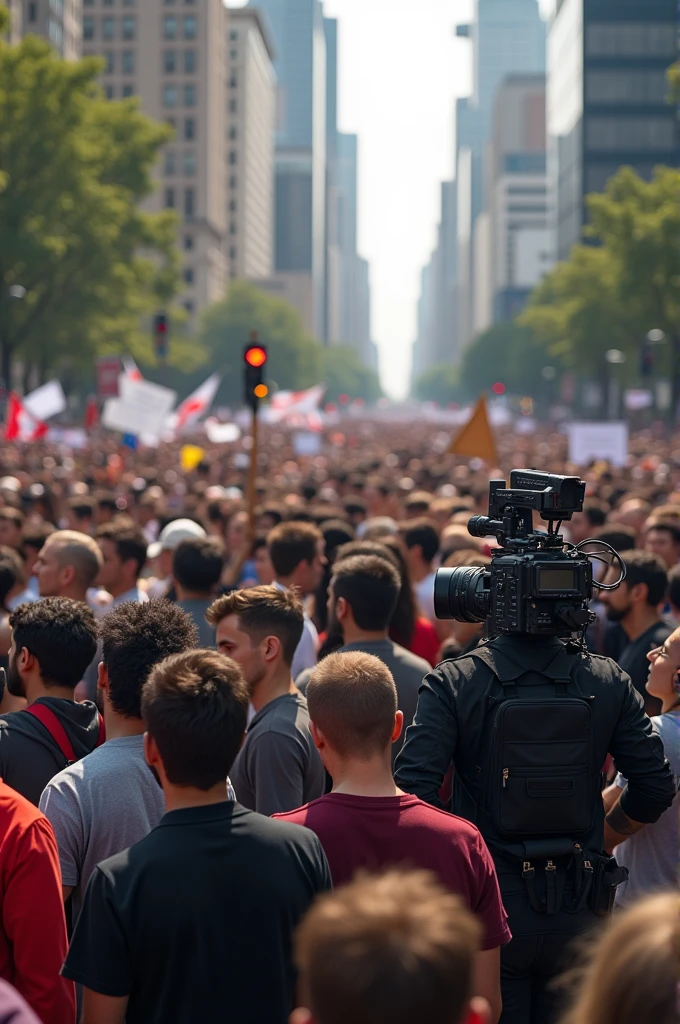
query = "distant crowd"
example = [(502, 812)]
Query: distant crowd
[(201, 713)]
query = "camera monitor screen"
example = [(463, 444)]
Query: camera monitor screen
[(562, 578)]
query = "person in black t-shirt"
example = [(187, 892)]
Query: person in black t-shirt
[(635, 605), (195, 922)]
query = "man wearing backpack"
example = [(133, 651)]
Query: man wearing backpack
[(527, 722), (53, 642)]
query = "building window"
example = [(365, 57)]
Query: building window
[(232, 206), (188, 242), (169, 3), (190, 95), (128, 90), (170, 162), (169, 199), (128, 3), (88, 27), (189, 129), (110, 59), (32, 12), (108, 92), (170, 96), (631, 39), (232, 156), (108, 3), (188, 275), (233, 35), (189, 164), (108, 28), (630, 86), (189, 306), (170, 61), (189, 62), (233, 132), (169, 27), (233, 55), (232, 228), (630, 134), (233, 81), (189, 202), (86, 3), (129, 27), (232, 106), (232, 253), (233, 181), (190, 25), (128, 62)]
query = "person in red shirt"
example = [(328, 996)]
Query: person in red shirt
[(368, 823), (33, 941)]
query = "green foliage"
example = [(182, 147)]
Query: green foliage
[(506, 353), (294, 357), (440, 384), (345, 374), (71, 230)]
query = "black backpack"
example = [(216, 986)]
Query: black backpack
[(537, 776)]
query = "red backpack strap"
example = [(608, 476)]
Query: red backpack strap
[(50, 721), (101, 738)]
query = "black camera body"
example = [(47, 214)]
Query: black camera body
[(536, 583)]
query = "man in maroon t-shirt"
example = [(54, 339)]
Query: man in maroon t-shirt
[(368, 823)]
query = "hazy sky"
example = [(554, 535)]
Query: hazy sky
[(401, 68)]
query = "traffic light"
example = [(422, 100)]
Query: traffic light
[(160, 335), (255, 360)]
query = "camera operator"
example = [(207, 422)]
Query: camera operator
[(527, 719)]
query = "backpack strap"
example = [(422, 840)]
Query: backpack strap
[(50, 721)]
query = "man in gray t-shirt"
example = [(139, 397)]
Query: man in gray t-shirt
[(364, 591), (109, 800), (278, 767)]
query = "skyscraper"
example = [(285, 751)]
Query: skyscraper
[(174, 58), (508, 37), (301, 187), (250, 154), (58, 21), (607, 100)]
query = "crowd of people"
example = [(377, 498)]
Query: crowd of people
[(201, 711)]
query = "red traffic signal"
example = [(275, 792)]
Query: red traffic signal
[(498, 388), (255, 355)]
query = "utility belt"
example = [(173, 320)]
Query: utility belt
[(571, 877)]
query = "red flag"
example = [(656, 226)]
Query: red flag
[(21, 425), (91, 413)]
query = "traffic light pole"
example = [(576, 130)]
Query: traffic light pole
[(251, 488)]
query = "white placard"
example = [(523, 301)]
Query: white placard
[(638, 398), (307, 444), (222, 433), (142, 408), (47, 401), (604, 441)]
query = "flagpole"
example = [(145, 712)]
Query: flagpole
[(251, 490)]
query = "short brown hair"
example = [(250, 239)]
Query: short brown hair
[(264, 611), (391, 949), (13, 515), (292, 543), (352, 699), (79, 551), (127, 538), (195, 706), (370, 584)]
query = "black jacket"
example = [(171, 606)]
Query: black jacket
[(450, 724), (29, 757)]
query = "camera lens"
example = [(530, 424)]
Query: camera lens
[(478, 526), (462, 594)]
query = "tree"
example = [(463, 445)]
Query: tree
[(345, 374), (440, 384), (294, 357), (508, 354), (72, 233)]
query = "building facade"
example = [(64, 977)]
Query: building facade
[(59, 21), (174, 59), (300, 177), (16, 15), (250, 151), (607, 101)]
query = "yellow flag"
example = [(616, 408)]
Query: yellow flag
[(475, 439), (190, 457)]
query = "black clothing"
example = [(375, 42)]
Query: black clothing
[(633, 661), (451, 725), (194, 923), (29, 757)]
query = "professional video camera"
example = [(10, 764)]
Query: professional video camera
[(538, 583)]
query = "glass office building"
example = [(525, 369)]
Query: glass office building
[(607, 100)]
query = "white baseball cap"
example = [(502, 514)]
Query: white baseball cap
[(173, 534)]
